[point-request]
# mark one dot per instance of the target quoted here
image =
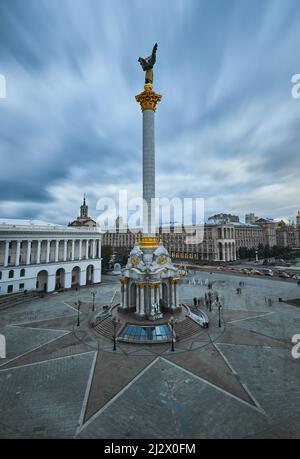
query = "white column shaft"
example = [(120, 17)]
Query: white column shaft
[(80, 249), (142, 302), (148, 171), (6, 253), (38, 253), (56, 250), (87, 249), (152, 295), (48, 251), (65, 249), (172, 294), (18, 253), (137, 300), (28, 253), (73, 250), (125, 295)]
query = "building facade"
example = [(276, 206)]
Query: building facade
[(287, 235), (269, 230), (221, 241), (248, 236), (39, 256), (218, 243)]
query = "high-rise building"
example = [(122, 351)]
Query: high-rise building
[(250, 218)]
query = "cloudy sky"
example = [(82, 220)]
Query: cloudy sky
[(227, 130)]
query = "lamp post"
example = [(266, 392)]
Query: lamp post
[(115, 322), (209, 300), (219, 307), (94, 293), (172, 322), (78, 313)]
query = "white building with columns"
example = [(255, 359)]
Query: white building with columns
[(35, 255)]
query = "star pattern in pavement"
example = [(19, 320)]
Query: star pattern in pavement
[(113, 372)]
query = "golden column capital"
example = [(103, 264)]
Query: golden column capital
[(148, 98), (140, 285), (148, 242), (152, 285), (124, 281)]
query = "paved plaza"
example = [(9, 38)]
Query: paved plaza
[(60, 380)]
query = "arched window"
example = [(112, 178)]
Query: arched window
[(11, 274), (22, 272), (0, 275)]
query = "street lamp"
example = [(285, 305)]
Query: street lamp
[(219, 307), (172, 322), (115, 322), (94, 293), (78, 313), (209, 300)]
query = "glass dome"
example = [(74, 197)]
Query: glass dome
[(147, 333)]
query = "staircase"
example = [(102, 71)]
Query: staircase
[(7, 301), (106, 328), (186, 328)]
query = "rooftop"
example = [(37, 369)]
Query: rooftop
[(39, 225)]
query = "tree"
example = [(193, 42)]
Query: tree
[(106, 256)]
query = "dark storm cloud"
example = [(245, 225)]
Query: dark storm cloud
[(227, 127)]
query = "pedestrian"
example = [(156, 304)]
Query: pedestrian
[(198, 301), (195, 301)]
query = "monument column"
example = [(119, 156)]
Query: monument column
[(148, 100)]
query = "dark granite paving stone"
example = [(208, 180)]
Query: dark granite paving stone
[(41, 310), (281, 325), (44, 400), (234, 334), (62, 346), (112, 373), (23, 340), (229, 315), (58, 323), (166, 402), (209, 364), (273, 377)]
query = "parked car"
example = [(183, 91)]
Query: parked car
[(284, 275), (267, 272), (296, 277)]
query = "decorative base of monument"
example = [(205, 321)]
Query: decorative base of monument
[(149, 281), (133, 329), (171, 310)]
